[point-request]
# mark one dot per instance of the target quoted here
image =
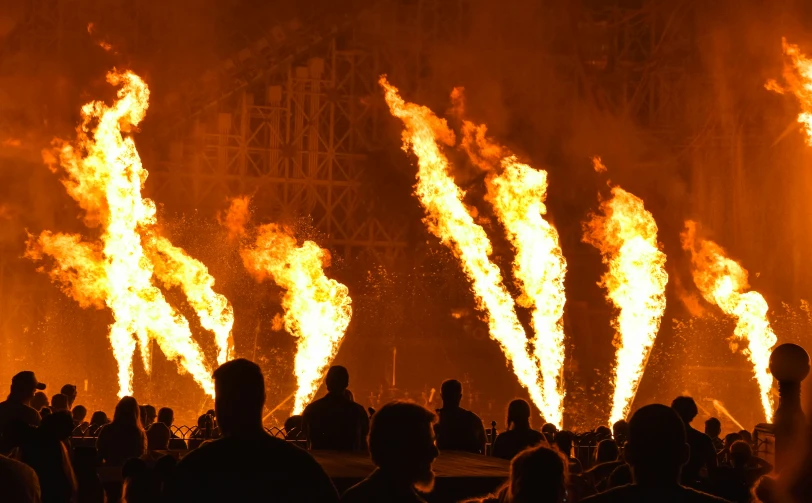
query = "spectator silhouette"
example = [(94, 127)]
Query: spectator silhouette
[(150, 415), (123, 438), (59, 402), (734, 482), (18, 482), (39, 401), (703, 455), (334, 422), (606, 461), (458, 429), (656, 450), (17, 407), (45, 411), (606, 451), (97, 420), (247, 464), (713, 428), (518, 436), (47, 454), (563, 441), (69, 390), (158, 436), (79, 414), (402, 446), (549, 430), (166, 416), (620, 431)]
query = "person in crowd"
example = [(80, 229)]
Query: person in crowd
[(45, 411), (69, 390), (158, 436), (90, 488), (48, 455), (656, 450), (538, 474), (602, 433), (59, 402), (518, 436), (723, 456), (123, 438), (458, 429), (713, 428), (549, 430), (620, 431), (606, 451), (606, 461), (150, 414), (203, 431), (293, 428), (702, 454), (18, 482), (334, 422), (166, 416), (79, 414), (747, 437), (17, 407), (39, 401), (564, 441), (734, 482), (247, 464), (97, 421), (402, 446)]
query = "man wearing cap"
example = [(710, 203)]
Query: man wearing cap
[(17, 406)]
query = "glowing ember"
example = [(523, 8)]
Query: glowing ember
[(517, 193), (317, 309), (448, 218), (626, 235), (723, 281), (798, 80), (105, 177), (598, 165)]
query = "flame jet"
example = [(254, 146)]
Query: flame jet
[(449, 219), (798, 81), (626, 235), (317, 309), (723, 281), (517, 193), (105, 177)]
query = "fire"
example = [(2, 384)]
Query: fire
[(723, 281), (105, 177), (448, 218), (237, 217), (317, 309), (798, 80), (598, 165), (626, 235), (517, 193)]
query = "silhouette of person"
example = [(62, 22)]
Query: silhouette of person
[(620, 431), (334, 422), (703, 454), (158, 436), (402, 446), (47, 454), (166, 416), (124, 437), (79, 414), (247, 464), (150, 415), (656, 450), (19, 482), (59, 402), (17, 407), (518, 436), (564, 440), (713, 428), (69, 390), (458, 429), (39, 401), (97, 420), (735, 481), (606, 461)]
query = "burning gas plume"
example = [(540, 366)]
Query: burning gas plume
[(723, 281), (626, 235), (105, 177), (517, 193), (798, 81), (448, 218)]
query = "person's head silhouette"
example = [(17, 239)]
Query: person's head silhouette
[(686, 408), (740, 454), (166, 416), (239, 389), (40, 400), (401, 443), (59, 402), (713, 427), (563, 440), (79, 414), (603, 432), (99, 418), (127, 412), (657, 448), (538, 474), (337, 380), (158, 436), (620, 431), (518, 415), (451, 393), (23, 386), (69, 390), (150, 414), (606, 451)]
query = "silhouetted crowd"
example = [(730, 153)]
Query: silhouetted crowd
[(137, 457)]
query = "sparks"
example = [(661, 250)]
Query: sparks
[(626, 235), (797, 76), (723, 281), (448, 218)]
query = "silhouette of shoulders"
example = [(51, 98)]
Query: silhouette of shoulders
[(336, 423), (18, 481), (633, 493), (377, 488), (701, 449), (459, 430), (11, 410), (251, 467), (511, 442)]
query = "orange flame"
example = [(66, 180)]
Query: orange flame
[(626, 235), (598, 165), (798, 80), (105, 177), (517, 193), (723, 281), (317, 309), (236, 217), (448, 218)]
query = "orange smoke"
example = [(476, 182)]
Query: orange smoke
[(723, 281), (236, 217), (797, 76), (448, 218), (626, 235), (105, 177), (317, 309)]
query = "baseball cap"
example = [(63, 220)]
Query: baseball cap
[(27, 379)]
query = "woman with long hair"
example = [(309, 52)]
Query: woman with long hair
[(519, 435), (124, 437)]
